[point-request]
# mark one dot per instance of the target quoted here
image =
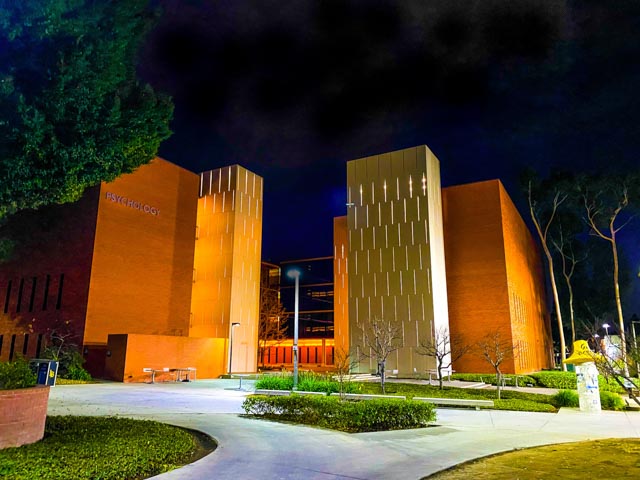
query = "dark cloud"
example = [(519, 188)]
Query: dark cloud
[(344, 61)]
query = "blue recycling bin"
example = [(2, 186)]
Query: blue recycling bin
[(47, 372)]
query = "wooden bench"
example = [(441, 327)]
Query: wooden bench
[(457, 402), (364, 396)]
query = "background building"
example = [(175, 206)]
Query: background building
[(315, 323)]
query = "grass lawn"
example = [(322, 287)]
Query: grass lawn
[(511, 400), (611, 458), (105, 448)]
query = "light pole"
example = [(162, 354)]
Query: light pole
[(233, 325), (295, 274)]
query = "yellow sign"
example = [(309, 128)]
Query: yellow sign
[(581, 353)]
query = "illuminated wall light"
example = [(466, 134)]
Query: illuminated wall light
[(361, 199), (397, 188), (373, 193), (384, 188), (410, 187), (424, 184), (404, 209), (367, 215), (379, 214)]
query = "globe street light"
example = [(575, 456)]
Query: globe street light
[(233, 325), (606, 328), (295, 274)]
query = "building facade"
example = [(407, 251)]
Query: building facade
[(422, 260), (396, 271), (494, 278), (114, 274)]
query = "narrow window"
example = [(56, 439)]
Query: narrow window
[(25, 345), (20, 289), (7, 298), (39, 346), (46, 292), (60, 286), (1, 338), (34, 281), (12, 347)]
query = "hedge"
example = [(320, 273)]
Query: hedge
[(347, 416), (307, 382)]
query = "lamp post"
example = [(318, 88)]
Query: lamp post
[(295, 274), (606, 328), (233, 325)]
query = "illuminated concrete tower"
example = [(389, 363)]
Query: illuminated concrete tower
[(226, 272), (396, 266)]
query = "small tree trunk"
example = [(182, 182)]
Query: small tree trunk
[(623, 340), (499, 381)]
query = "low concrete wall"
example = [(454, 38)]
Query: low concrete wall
[(129, 354), (22, 415)]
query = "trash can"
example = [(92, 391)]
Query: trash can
[(46, 371)]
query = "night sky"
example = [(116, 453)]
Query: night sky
[(293, 90)]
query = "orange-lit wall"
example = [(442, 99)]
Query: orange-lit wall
[(340, 284), (493, 276), (130, 354), (141, 273), (226, 281)]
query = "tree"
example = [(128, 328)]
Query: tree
[(496, 349), (605, 201), (543, 226), (272, 326), (72, 110), (343, 363), (444, 349), (568, 262), (381, 338)]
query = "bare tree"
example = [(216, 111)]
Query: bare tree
[(381, 338), (444, 349), (542, 228), (343, 363), (569, 260), (609, 366), (604, 217), (272, 326), (496, 349)]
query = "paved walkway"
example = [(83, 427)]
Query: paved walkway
[(251, 449)]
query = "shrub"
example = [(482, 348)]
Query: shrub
[(307, 382), (16, 374), (520, 405), (566, 398), (490, 378), (275, 382), (347, 416), (75, 372), (555, 379), (611, 401)]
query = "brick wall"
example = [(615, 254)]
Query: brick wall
[(22, 415)]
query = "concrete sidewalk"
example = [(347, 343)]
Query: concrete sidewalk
[(250, 449)]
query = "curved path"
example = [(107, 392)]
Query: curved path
[(257, 449)]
